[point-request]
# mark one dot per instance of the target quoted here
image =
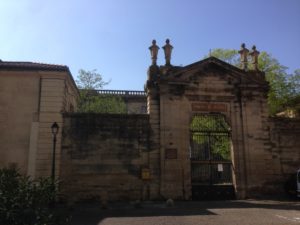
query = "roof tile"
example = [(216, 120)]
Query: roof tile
[(32, 66)]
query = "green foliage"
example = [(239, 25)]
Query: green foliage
[(221, 146), (227, 55), (90, 101), (209, 123), (24, 202), (284, 88), (279, 92), (90, 80), (212, 131), (294, 88)]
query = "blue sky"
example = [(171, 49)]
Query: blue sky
[(113, 36)]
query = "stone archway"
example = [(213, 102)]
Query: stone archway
[(176, 94)]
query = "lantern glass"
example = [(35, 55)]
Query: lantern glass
[(54, 128)]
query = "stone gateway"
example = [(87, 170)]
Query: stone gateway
[(207, 133)]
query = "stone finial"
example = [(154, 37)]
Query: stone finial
[(254, 55), (154, 51), (244, 56), (168, 52)]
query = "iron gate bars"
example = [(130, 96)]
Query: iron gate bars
[(210, 150)]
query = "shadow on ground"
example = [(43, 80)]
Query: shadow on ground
[(93, 213)]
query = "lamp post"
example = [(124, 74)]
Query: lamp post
[(54, 129)]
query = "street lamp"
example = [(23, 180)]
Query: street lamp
[(54, 129)]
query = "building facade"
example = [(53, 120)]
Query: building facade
[(33, 96)]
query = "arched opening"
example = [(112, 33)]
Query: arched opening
[(210, 156)]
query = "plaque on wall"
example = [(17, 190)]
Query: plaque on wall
[(146, 174), (209, 107), (171, 153)]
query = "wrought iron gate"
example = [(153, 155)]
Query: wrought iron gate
[(211, 168)]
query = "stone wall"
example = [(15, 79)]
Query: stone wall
[(284, 148), (103, 156)]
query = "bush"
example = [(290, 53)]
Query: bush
[(26, 202)]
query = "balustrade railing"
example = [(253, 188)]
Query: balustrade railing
[(121, 92)]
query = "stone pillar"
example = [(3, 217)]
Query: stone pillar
[(51, 105), (153, 109), (254, 136)]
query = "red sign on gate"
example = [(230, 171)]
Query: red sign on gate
[(209, 107)]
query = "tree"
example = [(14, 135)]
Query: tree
[(90, 100), (284, 88), (227, 55), (294, 85), (90, 80)]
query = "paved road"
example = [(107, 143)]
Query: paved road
[(191, 213)]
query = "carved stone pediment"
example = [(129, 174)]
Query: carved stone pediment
[(214, 67)]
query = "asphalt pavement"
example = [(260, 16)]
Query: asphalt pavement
[(246, 212)]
